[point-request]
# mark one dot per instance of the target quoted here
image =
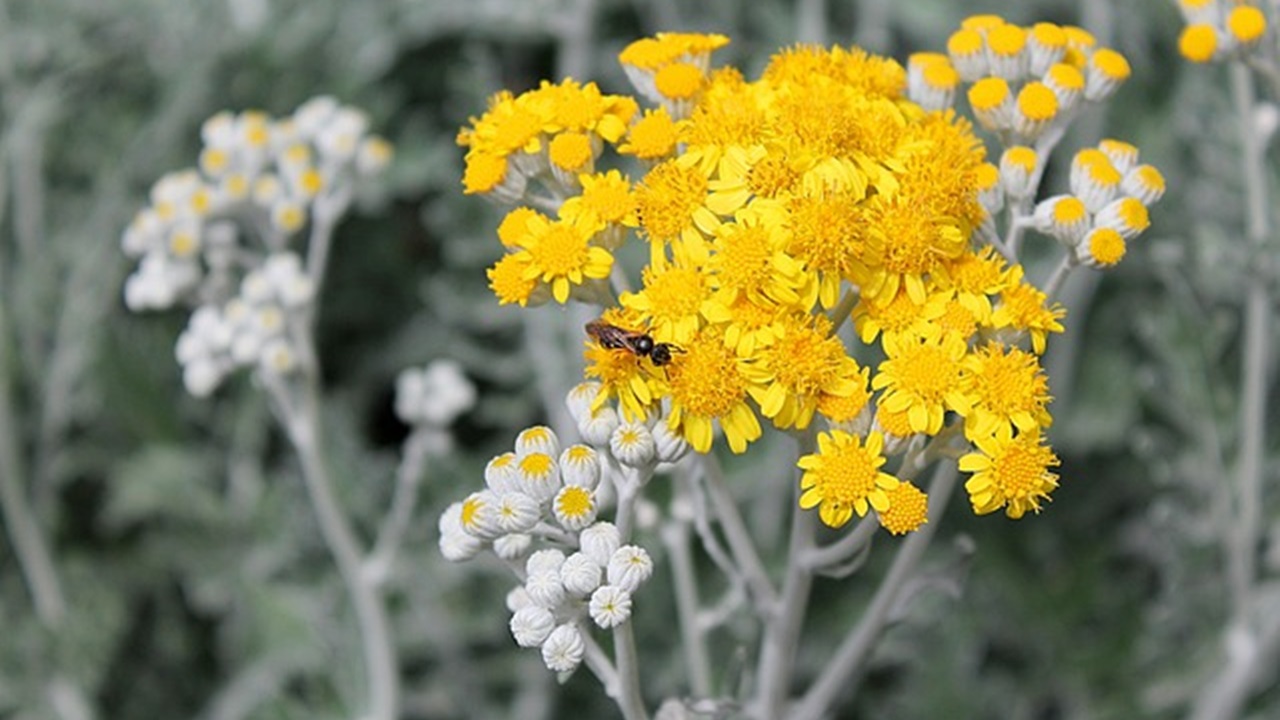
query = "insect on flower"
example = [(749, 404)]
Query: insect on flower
[(641, 344)]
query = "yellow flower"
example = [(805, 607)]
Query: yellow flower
[(844, 477), (842, 409), (508, 282), (908, 509), (708, 385), (1008, 387), (747, 258), (621, 373), (747, 324), (572, 107), (925, 377), (559, 253), (672, 206), (1022, 308), (729, 114), (510, 125), (975, 277), (802, 364), (670, 302), (653, 137), (744, 173), (829, 235), (606, 199), (906, 243), (1010, 472), (515, 225)]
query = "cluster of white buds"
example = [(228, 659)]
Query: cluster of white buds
[(541, 504), (430, 398), (250, 330), (1218, 29), (267, 176), (1107, 205), (1023, 80), (640, 444)]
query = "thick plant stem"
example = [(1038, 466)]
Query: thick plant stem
[(677, 537), (741, 546), (1246, 648), (782, 631), (625, 657), (850, 659), (381, 670)]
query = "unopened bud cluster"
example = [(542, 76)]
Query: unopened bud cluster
[(1219, 29), (259, 179), (540, 510), (1022, 80)]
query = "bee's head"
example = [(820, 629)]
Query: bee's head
[(660, 354)]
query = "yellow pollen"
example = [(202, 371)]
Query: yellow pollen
[(484, 172), (707, 380), (574, 501), (772, 176), (964, 42), (1037, 101), (560, 251), (679, 81), (654, 136), (1110, 63), (1007, 39), (1198, 42), (988, 93), (1065, 76), (570, 150), (1246, 23), (1048, 35), (1069, 210), (1106, 246), (508, 282)]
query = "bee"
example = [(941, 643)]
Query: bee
[(640, 344)]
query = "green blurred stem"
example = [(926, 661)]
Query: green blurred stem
[(677, 537), (1247, 649), (741, 546), (19, 519), (1059, 276), (851, 658), (783, 627), (301, 417)]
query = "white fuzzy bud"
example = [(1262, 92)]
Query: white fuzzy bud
[(574, 507), (456, 545), (563, 649), (480, 515), (671, 446), (539, 475), (632, 444), (531, 625), (512, 547), (580, 400), (501, 474), (599, 542), (544, 562), (610, 606), (537, 439), (517, 598), (580, 575), (598, 428), (545, 589), (517, 512), (580, 466), (629, 567)]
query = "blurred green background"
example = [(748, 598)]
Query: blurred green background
[(195, 579)]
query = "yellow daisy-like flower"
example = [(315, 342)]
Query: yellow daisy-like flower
[(747, 324), (672, 207), (577, 108), (925, 377), (829, 234), (515, 225), (908, 509), (745, 173), (510, 125), (730, 114), (1010, 472), (747, 258), (670, 302), (905, 245), (707, 385), (560, 253), (606, 199), (844, 477), (840, 409), (893, 318), (653, 137), (1008, 387), (621, 373), (896, 425), (803, 363), (508, 282), (975, 277), (1022, 308)]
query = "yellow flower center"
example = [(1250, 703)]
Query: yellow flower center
[(1008, 383), (964, 42), (772, 176), (653, 136), (848, 474), (1008, 39), (706, 381), (828, 233), (941, 75), (1049, 35), (958, 319), (508, 282), (1069, 210), (806, 359), (926, 370), (679, 81), (908, 509), (536, 465), (1106, 246), (609, 197), (1021, 470), (675, 293), (574, 501), (988, 93), (484, 172), (559, 251), (570, 150), (515, 226), (1246, 23), (667, 198), (1037, 101), (975, 274), (1065, 76), (742, 259), (1110, 63)]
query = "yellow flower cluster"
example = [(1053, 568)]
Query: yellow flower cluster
[(1023, 80), (775, 210), (1217, 29)]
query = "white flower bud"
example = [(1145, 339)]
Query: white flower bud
[(537, 439), (598, 428), (610, 606), (670, 445), (599, 542), (562, 652), (633, 445), (456, 544), (517, 598), (480, 515), (629, 567), (531, 625), (580, 399), (580, 575), (544, 562), (538, 475), (512, 547), (574, 507), (501, 474), (580, 465), (545, 589), (517, 512)]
